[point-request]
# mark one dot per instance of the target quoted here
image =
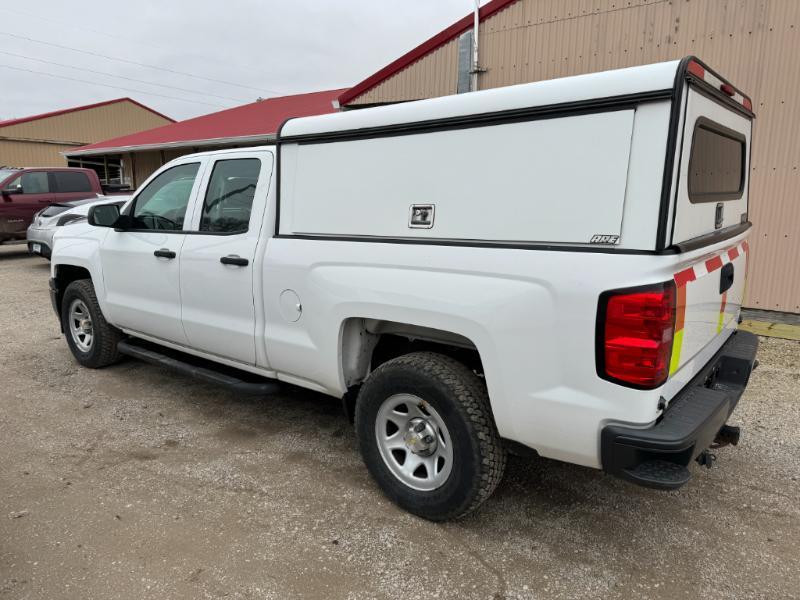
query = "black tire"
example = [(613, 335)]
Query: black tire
[(460, 398), (103, 351)]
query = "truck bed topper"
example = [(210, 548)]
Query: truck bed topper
[(618, 90)]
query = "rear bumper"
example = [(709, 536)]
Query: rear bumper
[(658, 456), (44, 250), (43, 237)]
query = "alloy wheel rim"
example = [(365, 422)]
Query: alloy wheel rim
[(81, 328), (414, 442)]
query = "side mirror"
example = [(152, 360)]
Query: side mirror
[(17, 189), (103, 215)]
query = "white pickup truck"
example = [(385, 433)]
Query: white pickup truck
[(554, 268)]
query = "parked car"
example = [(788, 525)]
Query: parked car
[(47, 221), (553, 268), (23, 192)]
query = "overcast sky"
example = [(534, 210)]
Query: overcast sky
[(256, 47)]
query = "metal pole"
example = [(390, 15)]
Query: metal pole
[(475, 55)]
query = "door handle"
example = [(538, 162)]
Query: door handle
[(726, 278), (164, 253), (234, 260)]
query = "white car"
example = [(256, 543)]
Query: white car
[(553, 268), (47, 221)]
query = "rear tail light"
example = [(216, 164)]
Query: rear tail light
[(634, 335), (68, 219)]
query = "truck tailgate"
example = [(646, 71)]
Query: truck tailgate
[(709, 296)]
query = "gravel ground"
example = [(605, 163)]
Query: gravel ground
[(134, 482)]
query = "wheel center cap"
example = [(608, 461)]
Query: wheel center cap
[(420, 437), (86, 326)]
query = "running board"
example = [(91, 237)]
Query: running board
[(198, 368)]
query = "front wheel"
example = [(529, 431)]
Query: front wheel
[(426, 433), (91, 339)]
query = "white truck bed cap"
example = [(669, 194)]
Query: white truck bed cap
[(619, 82)]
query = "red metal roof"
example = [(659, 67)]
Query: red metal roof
[(259, 119), (65, 111), (440, 39)]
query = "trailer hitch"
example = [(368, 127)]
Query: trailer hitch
[(728, 435), (706, 459)]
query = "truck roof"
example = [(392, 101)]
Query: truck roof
[(221, 151), (619, 82)]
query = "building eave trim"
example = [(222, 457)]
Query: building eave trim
[(245, 139)]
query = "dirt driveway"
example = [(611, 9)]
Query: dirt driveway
[(133, 482)]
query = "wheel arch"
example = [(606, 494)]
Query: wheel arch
[(366, 343), (63, 275)]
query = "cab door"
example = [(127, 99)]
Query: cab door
[(21, 198), (217, 259), (141, 265)]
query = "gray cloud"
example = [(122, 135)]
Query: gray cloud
[(275, 47)]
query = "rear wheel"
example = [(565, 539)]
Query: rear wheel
[(91, 339), (426, 433)]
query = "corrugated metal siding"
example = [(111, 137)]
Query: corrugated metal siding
[(775, 279), (145, 164), (751, 42), (32, 154), (433, 75), (87, 126), (173, 154), (32, 144)]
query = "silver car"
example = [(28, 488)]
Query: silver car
[(47, 221)]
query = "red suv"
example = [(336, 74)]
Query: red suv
[(24, 192)]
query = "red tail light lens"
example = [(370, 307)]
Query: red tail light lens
[(696, 69), (634, 335)]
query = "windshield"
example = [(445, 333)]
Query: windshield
[(6, 173)]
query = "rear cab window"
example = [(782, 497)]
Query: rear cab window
[(71, 182)]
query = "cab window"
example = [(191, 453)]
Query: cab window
[(162, 203), (35, 182), (72, 181), (229, 198)]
